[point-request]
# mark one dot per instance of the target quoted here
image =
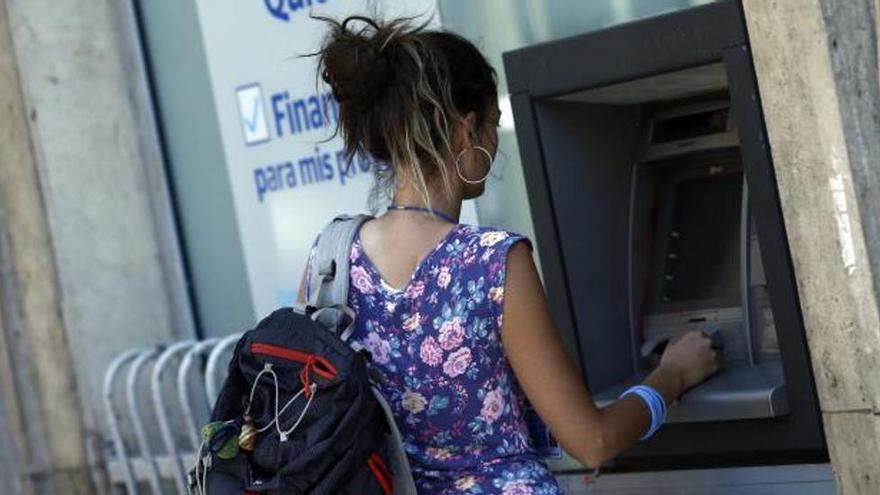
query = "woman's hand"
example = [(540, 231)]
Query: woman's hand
[(554, 386), (691, 358)]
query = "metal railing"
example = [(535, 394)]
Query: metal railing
[(154, 430)]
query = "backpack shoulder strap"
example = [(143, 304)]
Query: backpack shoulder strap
[(404, 484), (328, 284)]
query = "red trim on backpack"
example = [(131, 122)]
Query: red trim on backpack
[(318, 364), (381, 472), (381, 464)]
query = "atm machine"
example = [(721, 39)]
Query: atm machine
[(655, 207)]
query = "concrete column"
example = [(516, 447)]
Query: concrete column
[(11, 438), (43, 424), (89, 261), (817, 68)]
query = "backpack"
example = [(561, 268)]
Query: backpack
[(299, 412)]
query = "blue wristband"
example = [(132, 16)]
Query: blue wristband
[(656, 404)]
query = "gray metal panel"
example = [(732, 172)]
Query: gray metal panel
[(641, 48), (697, 80), (589, 151), (737, 392), (781, 284), (194, 155), (807, 479), (552, 264), (156, 177)]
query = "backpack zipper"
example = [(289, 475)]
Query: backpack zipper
[(381, 472), (320, 365)]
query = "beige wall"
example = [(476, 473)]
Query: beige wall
[(816, 63), (88, 256), (37, 385)]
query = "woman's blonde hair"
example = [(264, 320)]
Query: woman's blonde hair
[(401, 88)]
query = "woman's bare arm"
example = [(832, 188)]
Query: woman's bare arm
[(553, 385)]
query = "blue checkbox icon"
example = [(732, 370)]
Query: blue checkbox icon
[(253, 114), (251, 123)]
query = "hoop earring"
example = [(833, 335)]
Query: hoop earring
[(458, 165)]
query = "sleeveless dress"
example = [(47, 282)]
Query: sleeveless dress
[(437, 341)]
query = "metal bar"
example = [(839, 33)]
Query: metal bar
[(745, 267), (162, 414), (797, 479), (113, 419), (137, 422), (183, 389), (547, 231), (806, 433), (211, 385)]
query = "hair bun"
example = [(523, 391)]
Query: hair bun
[(357, 60), (403, 89)]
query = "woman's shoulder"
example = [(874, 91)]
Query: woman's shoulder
[(488, 236), (487, 247), (488, 244)]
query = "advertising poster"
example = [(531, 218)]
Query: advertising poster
[(287, 172)]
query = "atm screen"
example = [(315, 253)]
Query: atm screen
[(702, 249)]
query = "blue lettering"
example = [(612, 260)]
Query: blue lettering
[(260, 181), (277, 113), (299, 110), (313, 169), (276, 8), (325, 163), (296, 115), (290, 175), (272, 183), (315, 115), (274, 178), (342, 167), (307, 171)]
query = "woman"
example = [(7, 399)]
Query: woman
[(455, 315)]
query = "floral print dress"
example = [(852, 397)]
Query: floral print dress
[(437, 341)]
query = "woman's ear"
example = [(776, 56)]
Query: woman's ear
[(463, 131)]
